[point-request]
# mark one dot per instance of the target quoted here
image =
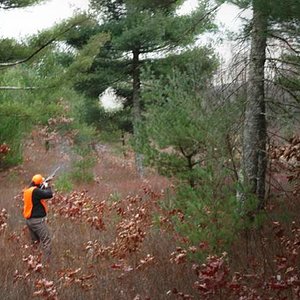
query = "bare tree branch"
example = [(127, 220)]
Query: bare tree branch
[(295, 96), (277, 135), (283, 61), (14, 88), (286, 42)]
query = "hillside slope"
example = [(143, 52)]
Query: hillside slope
[(113, 240)]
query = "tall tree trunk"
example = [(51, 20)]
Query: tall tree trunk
[(255, 127), (137, 111)]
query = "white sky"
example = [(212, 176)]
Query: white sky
[(19, 23)]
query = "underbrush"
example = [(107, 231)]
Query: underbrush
[(116, 250), (101, 250), (120, 238)]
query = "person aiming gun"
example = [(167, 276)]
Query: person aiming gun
[(35, 211)]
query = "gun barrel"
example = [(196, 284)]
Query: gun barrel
[(50, 177)]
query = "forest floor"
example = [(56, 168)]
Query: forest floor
[(112, 240)]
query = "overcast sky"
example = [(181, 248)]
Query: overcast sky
[(19, 23)]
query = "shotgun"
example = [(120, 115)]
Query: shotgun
[(50, 177)]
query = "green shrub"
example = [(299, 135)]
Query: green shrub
[(15, 124), (64, 184), (82, 169), (210, 218)]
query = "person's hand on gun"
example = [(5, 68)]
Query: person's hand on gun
[(45, 185)]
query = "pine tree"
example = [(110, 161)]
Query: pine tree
[(181, 121), (137, 30)]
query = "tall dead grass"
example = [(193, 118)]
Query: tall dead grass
[(106, 244)]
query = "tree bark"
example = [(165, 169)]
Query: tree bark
[(137, 111), (255, 127)]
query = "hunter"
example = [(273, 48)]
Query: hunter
[(35, 212)]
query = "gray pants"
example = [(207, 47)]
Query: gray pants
[(39, 232)]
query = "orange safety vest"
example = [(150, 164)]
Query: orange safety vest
[(28, 204)]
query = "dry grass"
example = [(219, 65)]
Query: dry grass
[(135, 264), (106, 246)]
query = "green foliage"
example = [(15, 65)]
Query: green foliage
[(11, 50), (115, 122), (276, 9), (82, 28), (110, 137), (182, 124), (83, 162), (133, 26), (50, 96), (186, 132), (211, 216), (190, 61), (8, 4), (207, 216), (84, 159), (85, 57), (15, 123), (82, 169), (166, 5), (21, 109), (283, 11), (84, 138), (64, 184)]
